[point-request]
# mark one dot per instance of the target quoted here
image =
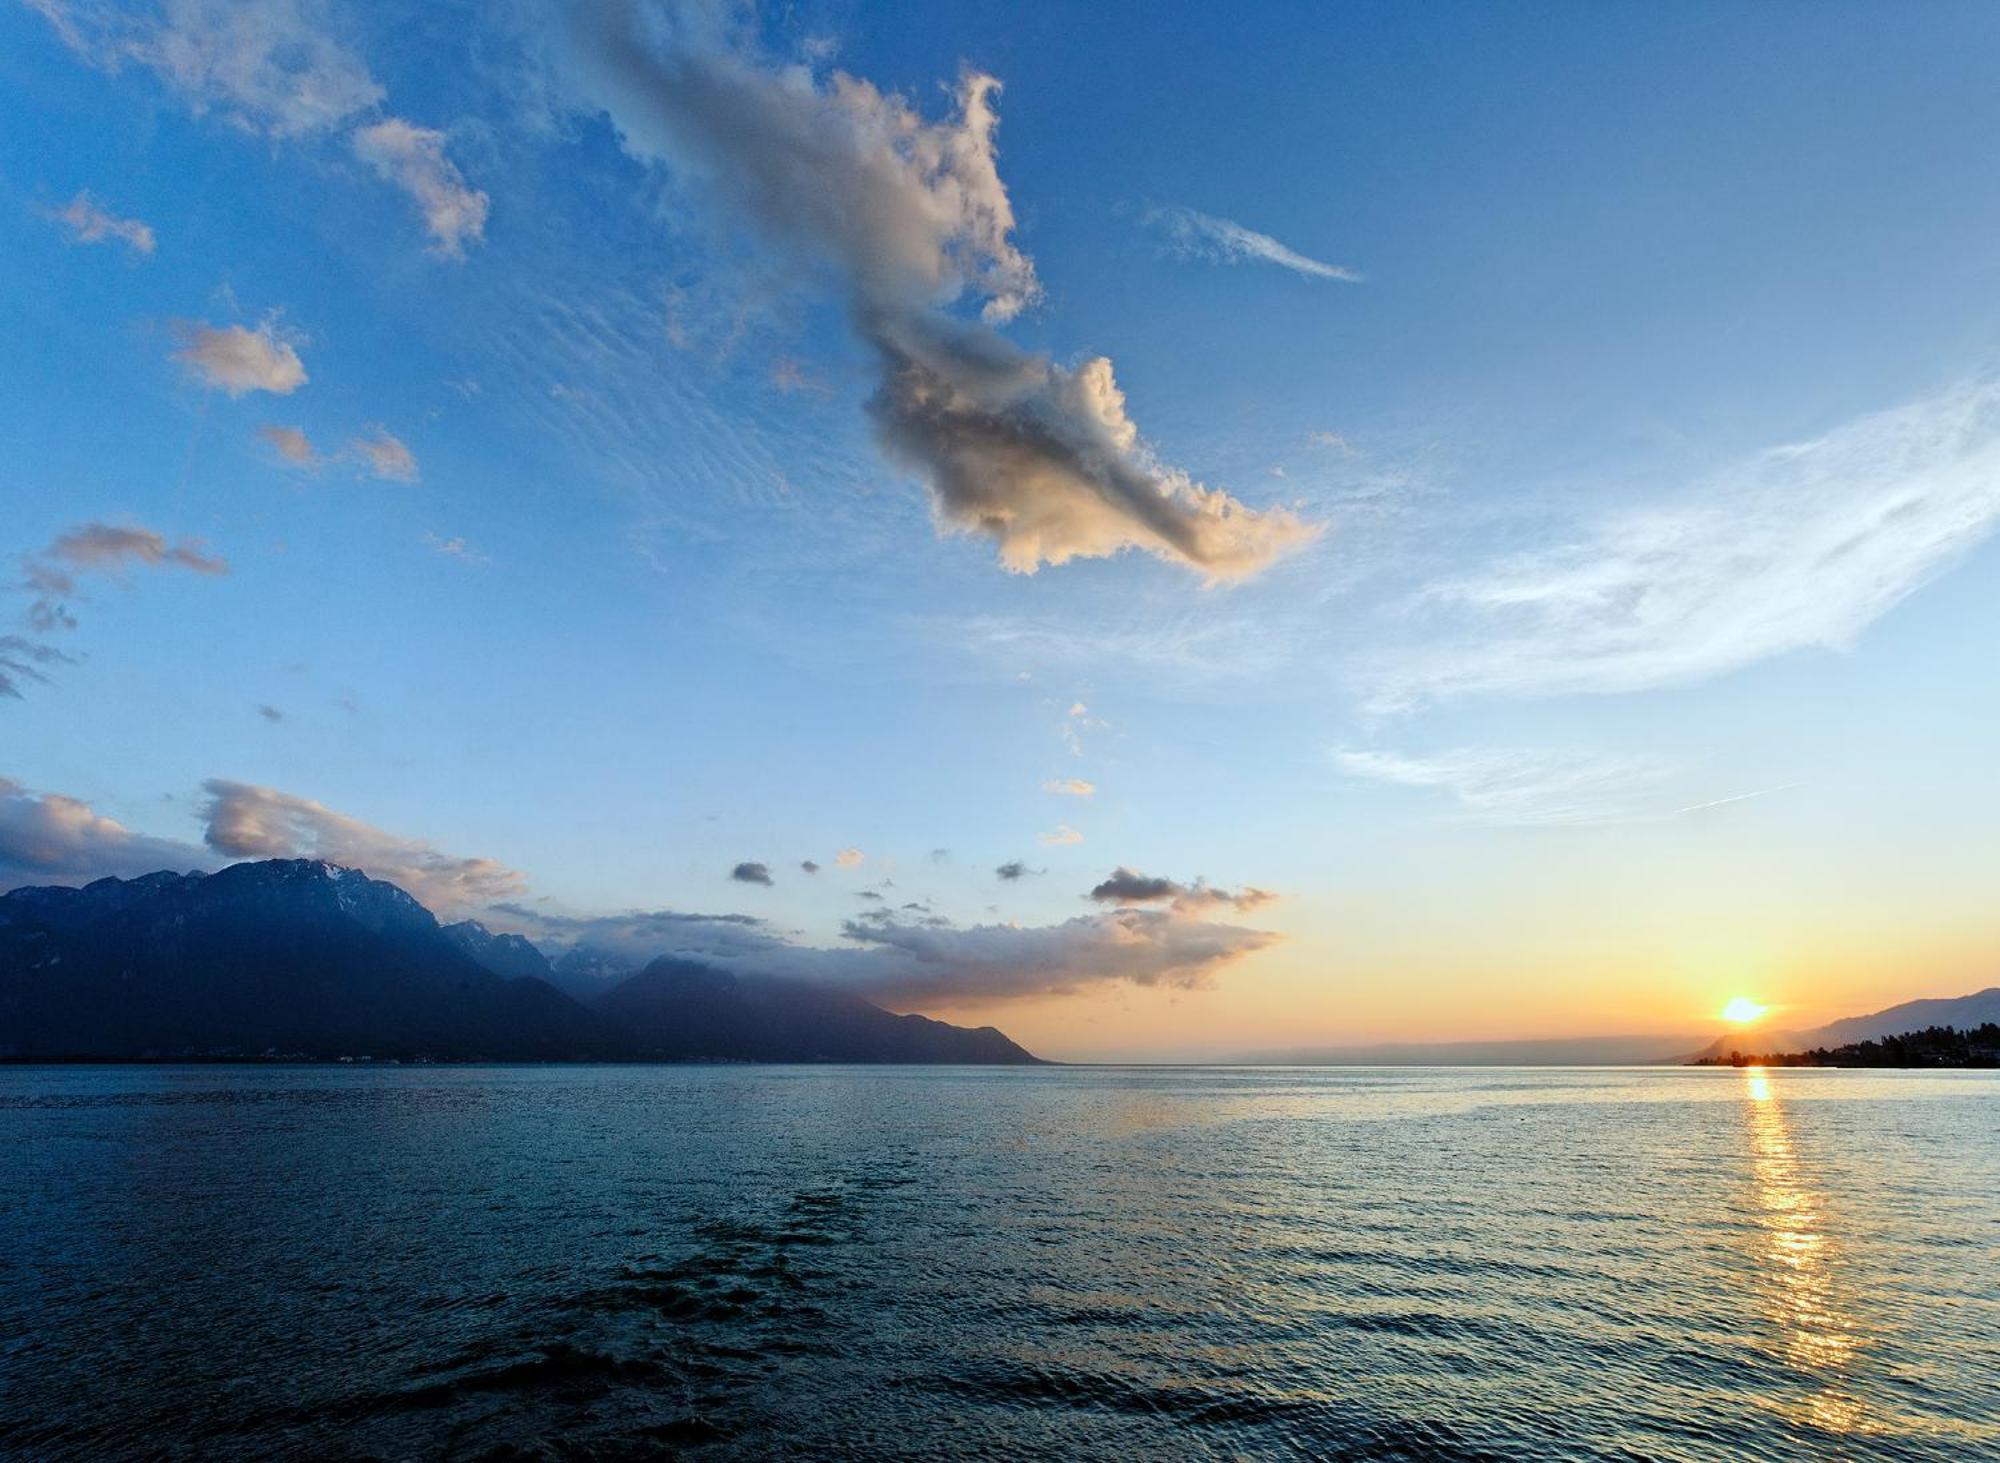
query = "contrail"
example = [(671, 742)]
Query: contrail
[(1741, 797)]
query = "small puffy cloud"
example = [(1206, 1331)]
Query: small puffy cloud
[(849, 858), (50, 838), (455, 548), (270, 713), (90, 223), (385, 456), (248, 821), (1129, 886), (413, 159), (808, 866), (907, 217), (1193, 235), (1011, 870), (1070, 787), (237, 361), (1061, 834), (752, 873), (290, 443)]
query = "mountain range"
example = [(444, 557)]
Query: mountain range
[(297, 957)]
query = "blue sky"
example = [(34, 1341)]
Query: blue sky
[(1597, 621)]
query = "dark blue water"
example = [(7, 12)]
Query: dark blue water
[(757, 1262)]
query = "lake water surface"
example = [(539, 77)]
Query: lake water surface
[(607, 1262)]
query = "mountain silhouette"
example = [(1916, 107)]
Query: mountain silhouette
[(297, 957), (1965, 1013)]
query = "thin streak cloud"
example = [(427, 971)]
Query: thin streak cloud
[(1522, 788), (1201, 236)]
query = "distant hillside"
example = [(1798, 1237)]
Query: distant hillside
[(1934, 1046), (678, 1008), (1962, 1012), (294, 957)]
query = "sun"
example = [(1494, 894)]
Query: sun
[(1742, 1009)]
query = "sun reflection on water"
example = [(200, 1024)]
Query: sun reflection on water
[(1819, 1337)]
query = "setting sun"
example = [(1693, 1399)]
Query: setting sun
[(1741, 1009)]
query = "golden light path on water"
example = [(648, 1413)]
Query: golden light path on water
[(1801, 1264)]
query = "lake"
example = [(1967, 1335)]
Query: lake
[(613, 1262)]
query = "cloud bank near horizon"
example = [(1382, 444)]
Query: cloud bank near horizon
[(905, 956)]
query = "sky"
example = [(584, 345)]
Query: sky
[(1171, 532)]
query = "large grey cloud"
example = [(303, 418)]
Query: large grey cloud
[(908, 216), (252, 822), (49, 838)]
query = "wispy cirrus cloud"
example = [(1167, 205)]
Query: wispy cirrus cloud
[(1798, 547), (1519, 787), (273, 67), (22, 659), (280, 69), (906, 215), (1194, 235), (89, 222)]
